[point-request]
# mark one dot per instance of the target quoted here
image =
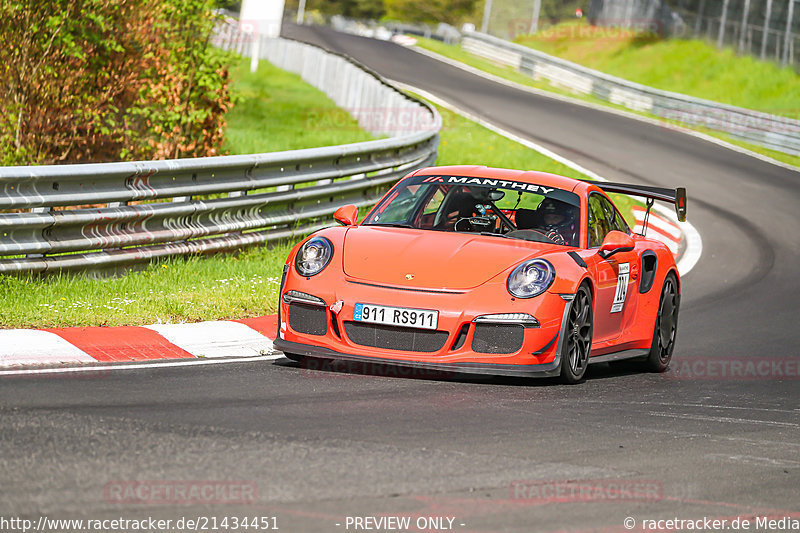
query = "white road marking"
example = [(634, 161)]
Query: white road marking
[(656, 221), (755, 460), (652, 234), (217, 338), (694, 244), (725, 419), (692, 240), (404, 40), (111, 367), (699, 405), (35, 347)]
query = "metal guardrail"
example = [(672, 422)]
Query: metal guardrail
[(384, 30), (770, 131), (112, 215)]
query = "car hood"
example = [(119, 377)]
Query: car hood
[(430, 259)]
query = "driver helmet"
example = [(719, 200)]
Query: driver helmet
[(556, 214), (463, 202)]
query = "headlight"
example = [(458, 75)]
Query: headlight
[(531, 278), (313, 256)]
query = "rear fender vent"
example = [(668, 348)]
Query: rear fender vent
[(649, 269)]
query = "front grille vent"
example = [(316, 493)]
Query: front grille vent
[(308, 319), (497, 338), (394, 338)]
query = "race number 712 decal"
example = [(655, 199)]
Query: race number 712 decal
[(622, 287)]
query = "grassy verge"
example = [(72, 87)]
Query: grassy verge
[(276, 110), (456, 53), (689, 67), (226, 286), (178, 290)]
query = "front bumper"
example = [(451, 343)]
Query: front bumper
[(538, 356), (535, 370)]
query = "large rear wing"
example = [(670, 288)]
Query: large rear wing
[(677, 196)]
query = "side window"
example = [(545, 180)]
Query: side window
[(620, 224), (615, 220), (598, 223)]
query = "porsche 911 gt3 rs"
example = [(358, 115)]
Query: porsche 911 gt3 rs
[(484, 270)]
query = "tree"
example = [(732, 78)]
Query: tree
[(430, 11), (358, 9)]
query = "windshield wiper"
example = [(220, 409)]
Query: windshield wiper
[(490, 234)]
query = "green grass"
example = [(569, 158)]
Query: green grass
[(456, 53), (221, 287), (689, 67), (179, 290), (276, 110), (464, 142)]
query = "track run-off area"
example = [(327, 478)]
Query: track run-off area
[(717, 436)]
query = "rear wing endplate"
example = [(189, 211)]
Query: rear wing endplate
[(677, 196)]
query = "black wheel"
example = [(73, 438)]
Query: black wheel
[(295, 357), (578, 341), (666, 326)]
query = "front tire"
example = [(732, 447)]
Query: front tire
[(578, 341), (666, 328)]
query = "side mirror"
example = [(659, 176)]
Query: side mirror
[(347, 215), (614, 242)]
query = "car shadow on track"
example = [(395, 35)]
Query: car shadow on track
[(322, 368)]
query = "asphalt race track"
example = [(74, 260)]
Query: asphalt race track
[(318, 445)]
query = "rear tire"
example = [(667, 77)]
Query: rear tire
[(578, 341), (666, 328)]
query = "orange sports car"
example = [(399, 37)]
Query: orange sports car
[(484, 270)]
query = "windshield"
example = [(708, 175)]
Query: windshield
[(482, 205)]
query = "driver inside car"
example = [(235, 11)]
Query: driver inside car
[(556, 220), (461, 204)]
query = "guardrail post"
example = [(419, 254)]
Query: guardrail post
[(765, 32), (723, 21), (487, 13), (698, 24), (788, 36), (744, 25)]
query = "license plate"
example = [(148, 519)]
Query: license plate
[(396, 316)]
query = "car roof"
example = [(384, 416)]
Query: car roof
[(527, 176)]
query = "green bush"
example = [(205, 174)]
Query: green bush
[(103, 80)]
